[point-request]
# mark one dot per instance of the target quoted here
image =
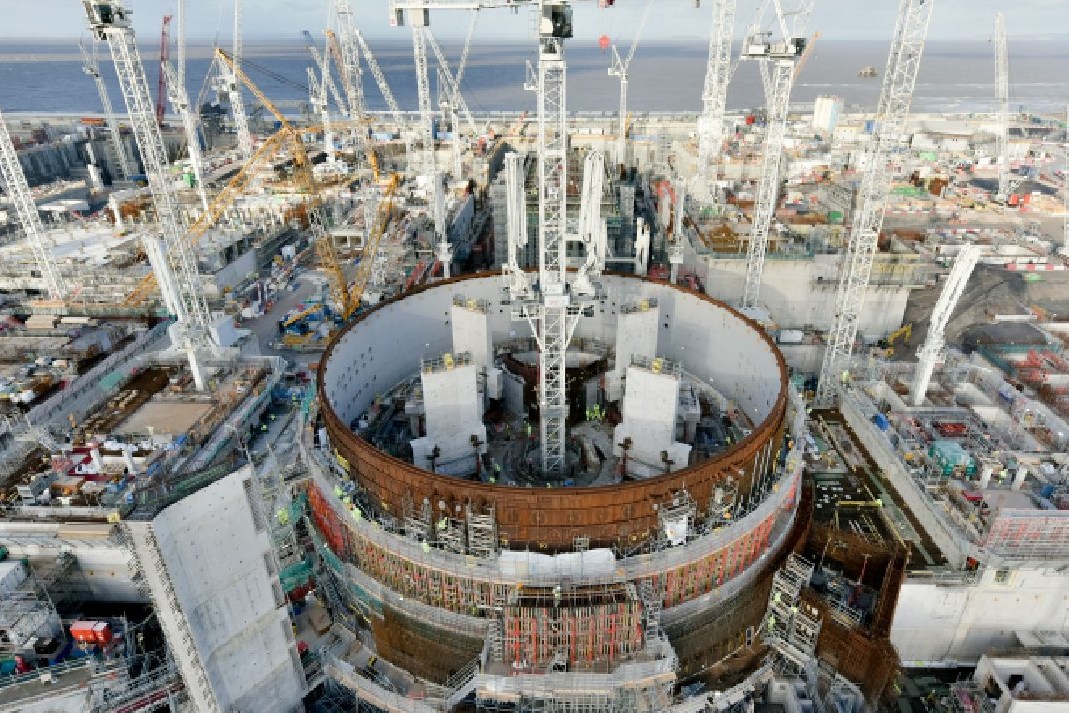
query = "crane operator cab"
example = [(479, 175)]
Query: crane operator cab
[(761, 45), (556, 21), (103, 15)]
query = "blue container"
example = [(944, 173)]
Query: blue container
[(870, 126), (1047, 491), (881, 422)]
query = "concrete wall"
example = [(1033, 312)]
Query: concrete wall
[(942, 624), (795, 298), (103, 564), (221, 563), (713, 342)]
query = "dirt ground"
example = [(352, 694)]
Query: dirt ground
[(990, 291)]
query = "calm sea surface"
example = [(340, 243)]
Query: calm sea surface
[(46, 77)]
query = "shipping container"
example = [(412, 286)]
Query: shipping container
[(82, 632)]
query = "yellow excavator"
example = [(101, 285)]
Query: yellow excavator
[(904, 333)]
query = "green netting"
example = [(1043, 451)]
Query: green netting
[(296, 575)]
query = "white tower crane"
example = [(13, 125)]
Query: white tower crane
[(171, 255), (91, 67), (929, 354), (325, 84), (235, 89), (18, 190), (352, 77), (552, 307), (380, 78), (714, 97), (899, 80), (1002, 128), (420, 21), (783, 54), (619, 69), (452, 87), (1065, 188), (176, 93), (180, 66)]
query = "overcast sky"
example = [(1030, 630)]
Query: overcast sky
[(670, 19)]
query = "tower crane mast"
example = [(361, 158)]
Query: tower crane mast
[(554, 308), (172, 258), (165, 55), (929, 354), (349, 62), (380, 78), (456, 100), (180, 44), (619, 69), (783, 54), (91, 67), (714, 96), (1002, 129), (326, 80), (18, 190), (900, 79), (180, 102), (237, 98)]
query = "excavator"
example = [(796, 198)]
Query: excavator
[(904, 333)]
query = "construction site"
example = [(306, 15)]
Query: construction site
[(431, 409)]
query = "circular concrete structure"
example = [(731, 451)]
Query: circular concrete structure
[(714, 344)]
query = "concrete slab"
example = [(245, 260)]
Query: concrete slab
[(163, 418)]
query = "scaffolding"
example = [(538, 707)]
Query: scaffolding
[(27, 613), (482, 531), (792, 627), (968, 697), (563, 627)]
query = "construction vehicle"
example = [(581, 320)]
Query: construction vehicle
[(905, 332)]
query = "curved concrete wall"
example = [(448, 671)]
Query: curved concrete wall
[(711, 340)]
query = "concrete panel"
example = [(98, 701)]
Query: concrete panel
[(650, 422), (636, 336), (451, 401), (941, 624), (471, 333), (219, 559), (801, 293)]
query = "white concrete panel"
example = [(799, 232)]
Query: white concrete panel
[(650, 408), (636, 336), (711, 341), (801, 293), (471, 333), (219, 558), (960, 623), (649, 420), (451, 400)]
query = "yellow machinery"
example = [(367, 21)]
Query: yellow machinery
[(305, 180), (904, 333)]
